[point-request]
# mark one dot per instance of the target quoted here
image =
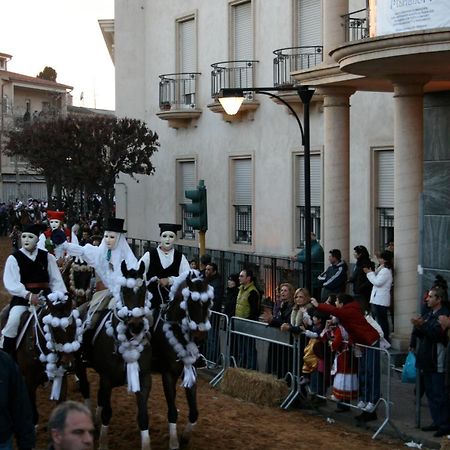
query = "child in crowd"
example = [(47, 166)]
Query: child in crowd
[(310, 359), (345, 367)]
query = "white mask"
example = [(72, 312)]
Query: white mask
[(29, 241), (111, 239), (167, 240), (55, 224)]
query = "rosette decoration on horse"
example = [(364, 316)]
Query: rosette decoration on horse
[(186, 349), (55, 327), (132, 329)]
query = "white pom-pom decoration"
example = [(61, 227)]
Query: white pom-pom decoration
[(47, 319), (131, 283), (52, 357), (49, 345), (67, 348), (76, 314), (55, 322), (42, 358), (195, 296), (64, 322), (110, 332), (48, 336), (137, 312)]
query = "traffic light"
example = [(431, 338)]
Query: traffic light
[(198, 207)]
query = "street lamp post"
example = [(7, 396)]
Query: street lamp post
[(231, 99)]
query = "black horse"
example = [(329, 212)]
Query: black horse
[(120, 352), (48, 346), (179, 326)]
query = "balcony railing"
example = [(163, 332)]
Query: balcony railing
[(356, 25), (292, 59), (178, 91), (232, 74)]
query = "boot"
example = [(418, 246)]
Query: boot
[(9, 346)]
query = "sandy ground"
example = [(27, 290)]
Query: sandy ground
[(224, 423)]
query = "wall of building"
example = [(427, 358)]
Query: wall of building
[(271, 136), (435, 251)]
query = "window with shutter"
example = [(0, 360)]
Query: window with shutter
[(187, 61), (316, 190), (242, 200), (186, 181), (384, 197), (308, 22), (242, 43)]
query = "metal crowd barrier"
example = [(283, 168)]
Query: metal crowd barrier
[(247, 344)]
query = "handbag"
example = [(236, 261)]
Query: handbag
[(409, 369)]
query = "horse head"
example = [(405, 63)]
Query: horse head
[(195, 297), (62, 332), (79, 282), (133, 307)]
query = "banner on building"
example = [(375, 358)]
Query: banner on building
[(398, 16)]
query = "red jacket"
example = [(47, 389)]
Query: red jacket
[(352, 319)]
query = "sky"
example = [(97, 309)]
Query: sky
[(65, 35)]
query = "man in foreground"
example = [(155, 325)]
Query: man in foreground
[(71, 427)]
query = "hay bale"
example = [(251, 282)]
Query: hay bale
[(445, 443), (255, 387)]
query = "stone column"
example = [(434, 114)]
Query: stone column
[(408, 156), (333, 31), (335, 216)]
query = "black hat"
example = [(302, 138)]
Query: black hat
[(34, 228), (169, 227), (115, 224)]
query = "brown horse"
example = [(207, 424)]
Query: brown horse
[(120, 352), (48, 345), (180, 325)]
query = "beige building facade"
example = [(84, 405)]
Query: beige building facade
[(25, 99), (369, 166)]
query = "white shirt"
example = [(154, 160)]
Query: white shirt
[(11, 275), (166, 260), (382, 283), (96, 257)]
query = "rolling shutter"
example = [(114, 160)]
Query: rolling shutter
[(242, 31), (187, 175), (242, 182), (316, 180), (187, 46), (309, 23), (385, 178)]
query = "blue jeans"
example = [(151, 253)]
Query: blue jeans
[(369, 374), (437, 396), (6, 445)]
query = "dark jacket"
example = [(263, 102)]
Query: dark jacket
[(16, 418), (281, 315), (334, 279), (361, 285), (216, 282), (230, 301), (430, 356)]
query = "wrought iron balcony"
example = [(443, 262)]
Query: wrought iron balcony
[(356, 25), (233, 74), (178, 90), (293, 59), (178, 98)]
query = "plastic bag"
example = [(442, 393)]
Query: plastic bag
[(409, 369)]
